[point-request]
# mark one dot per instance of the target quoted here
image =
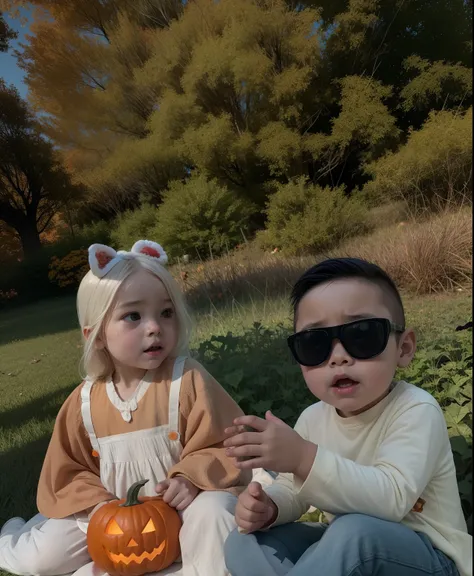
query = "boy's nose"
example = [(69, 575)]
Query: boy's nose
[(339, 355)]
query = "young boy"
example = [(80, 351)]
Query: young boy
[(373, 454)]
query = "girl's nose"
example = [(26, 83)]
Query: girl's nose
[(153, 327)]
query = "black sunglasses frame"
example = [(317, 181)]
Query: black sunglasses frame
[(337, 333)]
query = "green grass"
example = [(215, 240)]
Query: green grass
[(40, 352)]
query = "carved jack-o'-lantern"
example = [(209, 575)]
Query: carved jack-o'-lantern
[(131, 537)]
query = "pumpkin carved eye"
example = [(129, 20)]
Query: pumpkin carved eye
[(150, 527), (114, 528)]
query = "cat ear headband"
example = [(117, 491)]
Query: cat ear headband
[(103, 258)]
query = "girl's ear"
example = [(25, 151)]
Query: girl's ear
[(406, 348), (99, 342)]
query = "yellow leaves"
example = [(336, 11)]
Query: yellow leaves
[(209, 141), (436, 84), (433, 168), (316, 144), (173, 114), (302, 217), (136, 105), (130, 45), (211, 64), (69, 270), (290, 82), (354, 24), (213, 219), (279, 145), (364, 116)]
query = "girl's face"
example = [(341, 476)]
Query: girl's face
[(142, 329)]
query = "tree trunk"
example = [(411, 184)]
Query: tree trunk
[(30, 238)]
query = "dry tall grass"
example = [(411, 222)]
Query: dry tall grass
[(422, 257), (245, 273), (434, 255)]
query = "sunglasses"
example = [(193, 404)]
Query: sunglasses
[(362, 339)]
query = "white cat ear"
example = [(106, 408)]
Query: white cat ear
[(151, 249), (101, 259)]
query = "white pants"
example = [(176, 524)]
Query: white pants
[(48, 547)]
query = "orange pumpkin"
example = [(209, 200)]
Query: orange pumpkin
[(131, 537)]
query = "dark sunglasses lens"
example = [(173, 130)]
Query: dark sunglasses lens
[(365, 339), (311, 347)]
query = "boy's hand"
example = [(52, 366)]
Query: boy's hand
[(178, 492), (274, 446), (254, 509)]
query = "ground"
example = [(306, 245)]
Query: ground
[(40, 351)]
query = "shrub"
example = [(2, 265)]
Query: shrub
[(7, 296), (258, 372), (305, 217), (70, 270), (135, 225), (421, 256), (201, 217), (95, 233), (444, 368), (30, 277), (433, 168)]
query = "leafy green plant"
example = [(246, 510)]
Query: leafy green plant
[(444, 368), (257, 370)]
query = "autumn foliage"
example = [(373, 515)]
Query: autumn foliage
[(249, 94)]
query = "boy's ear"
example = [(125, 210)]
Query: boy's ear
[(406, 348)]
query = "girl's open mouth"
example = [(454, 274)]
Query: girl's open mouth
[(154, 350)]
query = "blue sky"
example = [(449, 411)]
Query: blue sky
[(9, 69)]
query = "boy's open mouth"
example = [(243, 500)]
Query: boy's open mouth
[(342, 383)]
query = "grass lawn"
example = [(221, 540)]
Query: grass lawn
[(40, 351)]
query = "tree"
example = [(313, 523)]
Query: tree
[(6, 34), (227, 80), (33, 184), (138, 94)]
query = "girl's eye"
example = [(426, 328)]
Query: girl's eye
[(168, 313), (132, 317)]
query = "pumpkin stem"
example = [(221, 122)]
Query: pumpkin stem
[(132, 494)]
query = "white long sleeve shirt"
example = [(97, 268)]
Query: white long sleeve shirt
[(380, 463)]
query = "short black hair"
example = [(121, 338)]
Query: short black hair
[(341, 268)]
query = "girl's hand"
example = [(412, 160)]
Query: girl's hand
[(274, 445), (178, 492), (92, 511), (254, 509)]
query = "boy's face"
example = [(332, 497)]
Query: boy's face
[(337, 303)]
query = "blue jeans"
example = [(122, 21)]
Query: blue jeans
[(352, 545)]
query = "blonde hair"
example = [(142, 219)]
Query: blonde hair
[(95, 299)]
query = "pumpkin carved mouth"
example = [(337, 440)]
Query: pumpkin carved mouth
[(137, 559)]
